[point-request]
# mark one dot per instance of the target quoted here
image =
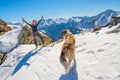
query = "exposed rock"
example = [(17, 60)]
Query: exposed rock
[(4, 27), (97, 29), (3, 56), (115, 21), (25, 37), (116, 30)]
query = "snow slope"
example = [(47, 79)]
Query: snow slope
[(97, 58), (9, 40)]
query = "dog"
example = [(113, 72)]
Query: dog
[(67, 50)]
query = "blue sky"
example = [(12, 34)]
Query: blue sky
[(13, 10)]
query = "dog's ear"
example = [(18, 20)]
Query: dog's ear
[(64, 32)]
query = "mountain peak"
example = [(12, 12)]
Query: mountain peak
[(110, 10)]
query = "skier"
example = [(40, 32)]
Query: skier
[(35, 30)]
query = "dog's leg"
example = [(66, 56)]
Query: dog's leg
[(65, 62), (66, 66)]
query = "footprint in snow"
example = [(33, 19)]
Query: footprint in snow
[(82, 50), (100, 50), (91, 51), (106, 43)]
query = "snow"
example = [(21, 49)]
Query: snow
[(109, 18), (60, 20), (118, 15), (97, 58), (9, 40)]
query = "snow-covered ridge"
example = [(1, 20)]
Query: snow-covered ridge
[(53, 27), (9, 40), (14, 23)]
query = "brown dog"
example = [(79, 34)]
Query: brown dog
[(68, 49)]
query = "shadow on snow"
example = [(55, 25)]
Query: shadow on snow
[(24, 60), (72, 74)]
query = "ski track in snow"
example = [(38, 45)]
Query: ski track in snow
[(97, 58)]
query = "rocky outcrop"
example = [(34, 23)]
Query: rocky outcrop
[(97, 29), (116, 30), (25, 37), (4, 27), (114, 21), (3, 56)]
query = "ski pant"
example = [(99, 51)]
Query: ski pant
[(35, 34)]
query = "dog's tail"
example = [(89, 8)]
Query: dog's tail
[(64, 61)]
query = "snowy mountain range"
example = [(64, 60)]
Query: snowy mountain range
[(53, 27)]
